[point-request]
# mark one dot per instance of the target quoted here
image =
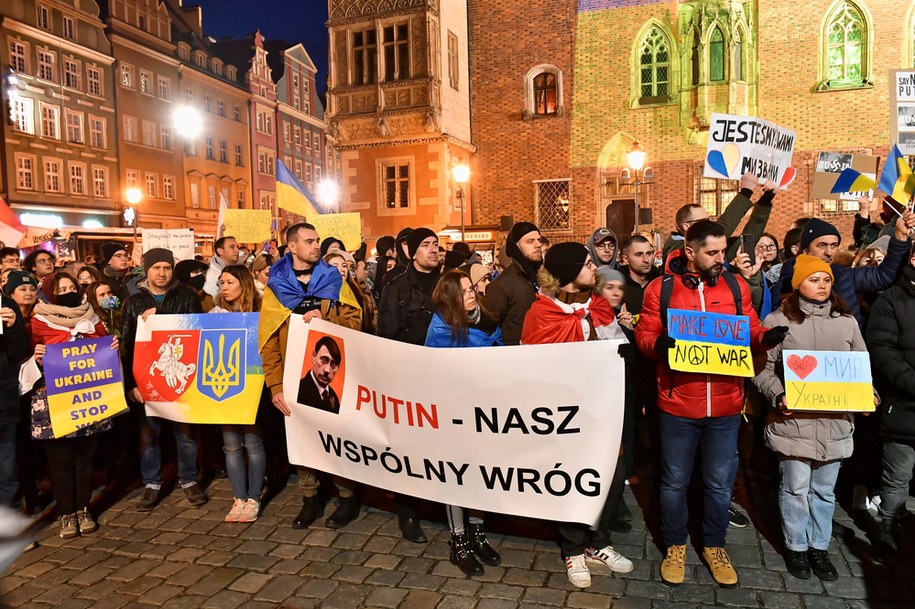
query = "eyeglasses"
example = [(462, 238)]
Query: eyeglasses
[(768, 248), (467, 291), (605, 245)]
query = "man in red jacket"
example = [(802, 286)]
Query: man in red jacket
[(698, 410)]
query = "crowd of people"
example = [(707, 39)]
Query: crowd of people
[(817, 292)]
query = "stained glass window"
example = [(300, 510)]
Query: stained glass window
[(654, 67), (846, 36)]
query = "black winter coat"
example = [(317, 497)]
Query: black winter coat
[(15, 347), (508, 298), (890, 335), (179, 299), (405, 310)]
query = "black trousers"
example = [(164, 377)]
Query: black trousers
[(70, 461), (574, 537)]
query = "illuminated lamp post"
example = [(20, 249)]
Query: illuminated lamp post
[(131, 214), (461, 174), (643, 176)]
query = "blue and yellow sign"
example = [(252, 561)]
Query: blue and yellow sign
[(710, 343), (828, 381), (200, 368)]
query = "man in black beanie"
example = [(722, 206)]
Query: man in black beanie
[(821, 239), (116, 267), (404, 314), (512, 293)]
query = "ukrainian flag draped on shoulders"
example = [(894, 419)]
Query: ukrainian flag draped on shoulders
[(284, 293)]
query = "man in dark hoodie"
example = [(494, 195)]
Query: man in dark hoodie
[(117, 267), (402, 256), (603, 247), (512, 293)]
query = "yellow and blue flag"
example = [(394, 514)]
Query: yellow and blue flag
[(292, 195), (897, 179), (851, 180)]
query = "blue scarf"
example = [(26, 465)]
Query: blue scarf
[(325, 283)]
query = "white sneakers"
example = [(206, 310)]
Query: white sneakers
[(615, 561), (235, 512), (580, 575), (578, 571), (244, 511)]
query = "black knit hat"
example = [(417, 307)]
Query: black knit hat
[(519, 229), (416, 237), (18, 278), (816, 228), (564, 261), (329, 242), (156, 255), (184, 269), (111, 248), (403, 234), (384, 244)]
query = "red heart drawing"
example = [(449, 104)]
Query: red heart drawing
[(788, 177), (802, 366)]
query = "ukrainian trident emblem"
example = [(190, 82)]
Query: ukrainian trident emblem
[(222, 370)]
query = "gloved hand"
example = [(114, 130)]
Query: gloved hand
[(662, 345), (775, 336), (628, 352)]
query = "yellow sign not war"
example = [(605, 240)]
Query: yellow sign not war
[(711, 358)]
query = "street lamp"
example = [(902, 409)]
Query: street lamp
[(461, 174), (328, 193), (643, 175), (188, 123), (133, 196)]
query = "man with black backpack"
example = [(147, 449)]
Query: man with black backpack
[(698, 412)]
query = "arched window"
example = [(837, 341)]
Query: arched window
[(545, 98), (846, 45), (716, 56), (543, 92), (695, 58), (654, 68)]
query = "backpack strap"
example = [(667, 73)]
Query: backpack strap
[(731, 280), (667, 288)]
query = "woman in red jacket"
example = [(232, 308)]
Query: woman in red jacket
[(65, 317)]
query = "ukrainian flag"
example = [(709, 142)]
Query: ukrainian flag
[(291, 195), (853, 181), (897, 179)]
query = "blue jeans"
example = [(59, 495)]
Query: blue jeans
[(235, 439), (151, 451), (807, 501), (680, 439), (9, 474)]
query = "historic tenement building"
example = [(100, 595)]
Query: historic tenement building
[(554, 114), (59, 161), (398, 109)]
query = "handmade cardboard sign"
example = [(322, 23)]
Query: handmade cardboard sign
[(830, 381), (84, 383), (830, 166), (742, 144), (179, 240), (711, 343), (248, 225), (346, 227)]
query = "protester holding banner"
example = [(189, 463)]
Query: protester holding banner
[(891, 338), (160, 293), (237, 294), (303, 284), (698, 411), (810, 445), (460, 321), (66, 318), (567, 310), (404, 314), (512, 293)]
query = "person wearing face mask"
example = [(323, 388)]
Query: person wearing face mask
[(65, 317), (88, 274), (192, 273), (106, 305)]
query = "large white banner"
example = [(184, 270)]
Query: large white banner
[(530, 430), (741, 144)]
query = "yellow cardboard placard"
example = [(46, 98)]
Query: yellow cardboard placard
[(345, 227), (711, 358), (248, 225)]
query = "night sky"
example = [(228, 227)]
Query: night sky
[(292, 20)]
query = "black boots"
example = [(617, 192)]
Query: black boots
[(480, 546), (311, 508), (462, 556), (408, 520), (821, 565), (797, 564), (886, 544), (346, 512)]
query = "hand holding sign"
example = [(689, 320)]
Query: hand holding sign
[(828, 381)]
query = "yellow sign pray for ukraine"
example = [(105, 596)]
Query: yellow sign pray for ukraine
[(248, 225), (828, 381)]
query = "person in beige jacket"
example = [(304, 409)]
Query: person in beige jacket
[(810, 445)]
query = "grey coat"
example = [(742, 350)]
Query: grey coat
[(820, 436)]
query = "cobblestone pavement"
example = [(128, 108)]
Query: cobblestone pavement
[(182, 557)]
